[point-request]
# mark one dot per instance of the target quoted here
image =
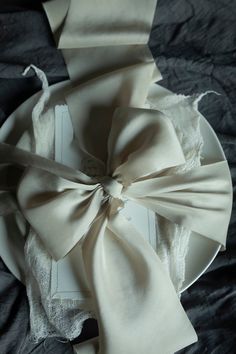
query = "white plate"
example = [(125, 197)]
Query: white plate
[(202, 251)]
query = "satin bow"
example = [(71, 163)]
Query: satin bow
[(133, 296), (141, 145)]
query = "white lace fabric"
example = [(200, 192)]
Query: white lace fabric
[(173, 239), (48, 317)]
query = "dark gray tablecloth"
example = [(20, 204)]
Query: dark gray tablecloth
[(194, 43)]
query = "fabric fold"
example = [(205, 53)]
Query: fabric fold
[(128, 22), (93, 103), (141, 146), (105, 60), (141, 142), (63, 205)]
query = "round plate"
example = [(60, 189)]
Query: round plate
[(202, 250)]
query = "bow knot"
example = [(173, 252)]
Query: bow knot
[(111, 187)]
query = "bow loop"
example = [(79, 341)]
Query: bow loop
[(141, 142)]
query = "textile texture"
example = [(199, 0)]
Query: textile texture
[(194, 46)]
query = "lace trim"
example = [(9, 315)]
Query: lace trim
[(172, 239), (48, 317)]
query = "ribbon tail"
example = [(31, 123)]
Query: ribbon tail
[(133, 295)]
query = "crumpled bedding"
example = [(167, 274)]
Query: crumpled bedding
[(194, 43)]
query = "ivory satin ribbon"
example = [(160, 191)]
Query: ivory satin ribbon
[(105, 48)]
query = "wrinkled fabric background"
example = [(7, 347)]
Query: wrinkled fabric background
[(194, 43)]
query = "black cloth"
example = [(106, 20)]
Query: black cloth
[(194, 44), (25, 38)]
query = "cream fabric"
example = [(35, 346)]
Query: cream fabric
[(132, 293), (173, 240), (99, 22)]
